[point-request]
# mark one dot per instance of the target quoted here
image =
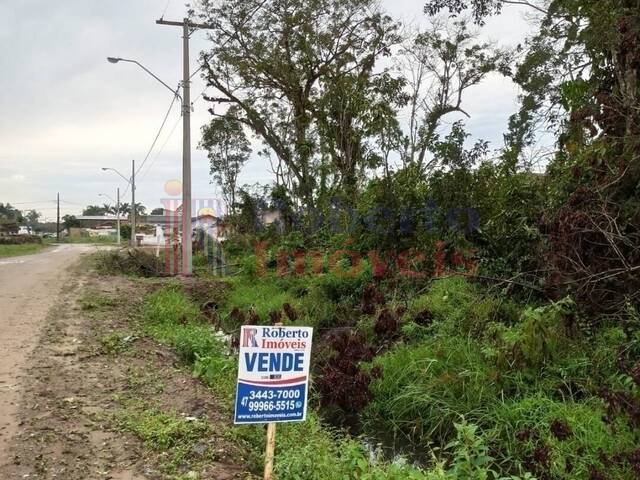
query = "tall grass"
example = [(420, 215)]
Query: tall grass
[(520, 427), (427, 387), (19, 250)]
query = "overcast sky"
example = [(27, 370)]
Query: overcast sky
[(66, 112)]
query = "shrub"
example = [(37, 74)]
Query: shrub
[(128, 262), (20, 239), (339, 286)]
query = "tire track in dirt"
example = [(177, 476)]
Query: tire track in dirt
[(74, 389), (29, 286)]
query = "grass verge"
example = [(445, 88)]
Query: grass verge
[(19, 250)]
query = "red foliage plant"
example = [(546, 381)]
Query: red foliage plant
[(343, 382)]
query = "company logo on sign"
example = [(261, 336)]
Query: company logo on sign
[(249, 337)]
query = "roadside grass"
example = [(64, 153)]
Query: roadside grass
[(19, 250), (109, 240), (426, 388), (261, 296), (96, 301), (575, 436), (168, 433)]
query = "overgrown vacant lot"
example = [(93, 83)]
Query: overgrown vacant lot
[(415, 378)]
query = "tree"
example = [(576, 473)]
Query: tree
[(94, 210), (580, 78), (109, 209), (125, 209), (275, 61), (70, 221), (229, 150), (157, 211), (32, 217), (356, 113), (10, 214), (441, 64)]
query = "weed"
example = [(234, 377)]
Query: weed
[(559, 440), (261, 296), (94, 301), (165, 432), (425, 388), (116, 343), (170, 318), (128, 262)]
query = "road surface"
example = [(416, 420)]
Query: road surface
[(29, 286)]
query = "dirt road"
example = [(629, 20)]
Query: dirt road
[(29, 286)]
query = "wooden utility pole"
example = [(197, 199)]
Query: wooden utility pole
[(187, 28)]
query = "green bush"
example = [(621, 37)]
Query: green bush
[(338, 285)]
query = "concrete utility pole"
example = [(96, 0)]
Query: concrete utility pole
[(187, 254), (132, 183), (118, 213), (133, 203), (58, 220)]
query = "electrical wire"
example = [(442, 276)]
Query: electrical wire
[(29, 203), (153, 144), (165, 9), (155, 140), (173, 129), (169, 137)]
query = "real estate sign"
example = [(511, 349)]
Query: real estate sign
[(273, 374)]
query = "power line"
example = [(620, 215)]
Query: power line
[(165, 9), (173, 129), (164, 121), (175, 125), (30, 203), (155, 140)]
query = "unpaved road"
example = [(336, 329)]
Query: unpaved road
[(29, 286)]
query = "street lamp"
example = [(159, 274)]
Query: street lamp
[(117, 209), (187, 260), (118, 59), (132, 184)]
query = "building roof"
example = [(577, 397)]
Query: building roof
[(97, 217)]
